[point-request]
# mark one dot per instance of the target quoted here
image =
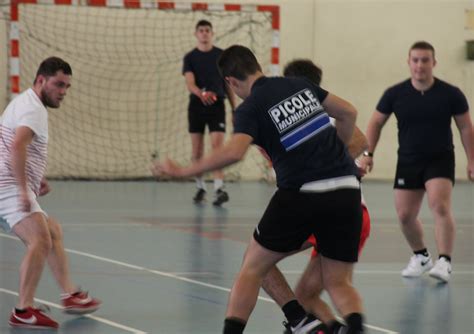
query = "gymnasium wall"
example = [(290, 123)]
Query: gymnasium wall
[(362, 46)]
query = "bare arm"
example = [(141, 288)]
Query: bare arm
[(23, 137), (464, 124), (357, 144), (376, 123), (233, 151), (190, 80), (344, 113)]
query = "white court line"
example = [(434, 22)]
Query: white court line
[(378, 272), (170, 275), (105, 321)]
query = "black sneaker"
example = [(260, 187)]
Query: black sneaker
[(221, 197), (309, 325), (336, 328), (200, 196)]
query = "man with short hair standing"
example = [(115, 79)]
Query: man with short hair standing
[(206, 104), (23, 154), (424, 106)]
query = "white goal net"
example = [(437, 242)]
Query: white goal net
[(128, 100)]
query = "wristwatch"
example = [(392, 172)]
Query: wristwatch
[(368, 154)]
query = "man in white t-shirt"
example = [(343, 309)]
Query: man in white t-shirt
[(23, 154)]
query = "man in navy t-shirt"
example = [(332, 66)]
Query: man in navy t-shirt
[(318, 190), (424, 106), (206, 104)]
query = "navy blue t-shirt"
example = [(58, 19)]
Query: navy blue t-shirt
[(204, 67), (423, 118), (285, 117)]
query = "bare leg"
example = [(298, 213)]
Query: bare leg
[(337, 276), (308, 291), (439, 198), (257, 263), (34, 233), (407, 204), (57, 258), (217, 140), (276, 286)]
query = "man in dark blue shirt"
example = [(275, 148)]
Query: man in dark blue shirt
[(206, 104), (424, 107), (318, 190)]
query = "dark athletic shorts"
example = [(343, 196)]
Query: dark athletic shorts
[(292, 216), (413, 173), (200, 115)]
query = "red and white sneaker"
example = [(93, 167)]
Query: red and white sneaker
[(32, 318), (79, 303)]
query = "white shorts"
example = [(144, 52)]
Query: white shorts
[(10, 212)]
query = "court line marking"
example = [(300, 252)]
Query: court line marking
[(96, 318), (379, 272), (211, 224), (170, 275)]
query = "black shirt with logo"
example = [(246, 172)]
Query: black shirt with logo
[(285, 117)]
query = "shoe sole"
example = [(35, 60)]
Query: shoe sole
[(439, 278), (13, 324), (81, 310), (220, 202)]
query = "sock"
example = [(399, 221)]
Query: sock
[(218, 184), (200, 183), (354, 323), (19, 310), (294, 312), (447, 257), (233, 326), (423, 252)]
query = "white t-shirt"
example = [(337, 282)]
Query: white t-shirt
[(25, 110)]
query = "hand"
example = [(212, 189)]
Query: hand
[(24, 201), (366, 164), (208, 98), (168, 167), (44, 187)]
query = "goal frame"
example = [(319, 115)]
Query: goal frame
[(14, 33)]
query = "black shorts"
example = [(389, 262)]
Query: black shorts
[(292, 216), (413, 173), (200, 115)]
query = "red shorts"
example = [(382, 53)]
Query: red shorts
[(364, 233)]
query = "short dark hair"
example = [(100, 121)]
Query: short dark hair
[(304, 68), (50, 66), (203, 23), (422, 45), (239, 62)]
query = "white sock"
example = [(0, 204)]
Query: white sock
[(218, 184), (200, 183)]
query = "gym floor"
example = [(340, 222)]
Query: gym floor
[(162, 264)]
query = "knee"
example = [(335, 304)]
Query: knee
[(306, 292), (440, 208), (405, 216), (335, 285), (41, 245), (55, 230)]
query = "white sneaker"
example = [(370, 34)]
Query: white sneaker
[(418, 265), (441, 270)]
